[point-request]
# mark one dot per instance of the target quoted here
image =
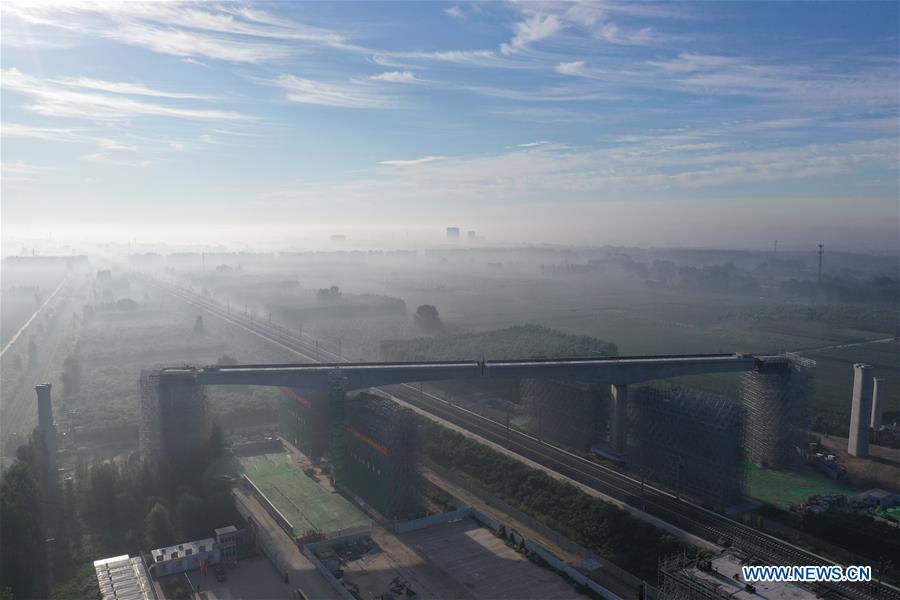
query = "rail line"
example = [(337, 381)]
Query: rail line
[(685, 515)]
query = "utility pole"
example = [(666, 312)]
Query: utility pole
[(776, 248), (819, 278)]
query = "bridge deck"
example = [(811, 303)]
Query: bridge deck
[(618, 370)]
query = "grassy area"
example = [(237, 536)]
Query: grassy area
[(114, 347), (783, 488), (305, 503)]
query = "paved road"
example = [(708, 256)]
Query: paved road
[(850, 345), (18, 408), (22, 329)]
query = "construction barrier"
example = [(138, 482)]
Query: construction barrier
[(279, 518), (413, 525)]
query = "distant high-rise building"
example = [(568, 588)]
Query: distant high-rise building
[(470, 234), (453, 233)]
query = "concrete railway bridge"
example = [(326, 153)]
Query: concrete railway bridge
[(174, 391)]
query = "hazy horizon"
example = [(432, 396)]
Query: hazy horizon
[(647, 124)]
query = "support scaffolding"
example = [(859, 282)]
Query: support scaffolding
[(568, 413), (677, 582), (148, 427), (174, 422), (381, 454), (690, 441), (303, 420), (776, 395)]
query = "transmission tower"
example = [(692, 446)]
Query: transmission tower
[(819, 278)]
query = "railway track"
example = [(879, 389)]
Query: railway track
[(689, 517)]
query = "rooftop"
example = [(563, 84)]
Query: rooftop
[(725, 579), (182, 550), (123, 578), (224, 530)]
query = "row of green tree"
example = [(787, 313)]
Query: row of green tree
[(601, 527)]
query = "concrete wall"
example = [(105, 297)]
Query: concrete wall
[(494, 525), (548, 557), (264, 542), (332, 581), (413, 525)]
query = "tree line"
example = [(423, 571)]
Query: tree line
[(51, 533), (601, 527)]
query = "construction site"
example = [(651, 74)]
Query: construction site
[(569, 413), (718, 578), (696, 443), (690, 441), (381, 456), (776, 397), (340, 491)]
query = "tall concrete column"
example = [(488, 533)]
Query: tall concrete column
[(861, 410), (619, 394), (878, 391), (45, 423), (337, 395)]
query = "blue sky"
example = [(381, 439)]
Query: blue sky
[(692, 124)]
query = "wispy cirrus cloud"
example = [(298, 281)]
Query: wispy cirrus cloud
[(804, 87), (533, 28), (397, 77), (107, 159), (336, 94), (132, 89), (55, 134), (188, 44), (411, 162), (21, 171), (534, 173), (55, 99), (210, 31)]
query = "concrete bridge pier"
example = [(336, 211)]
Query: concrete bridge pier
[(337, 414), (619, 395), (860, 410), (45, 426)]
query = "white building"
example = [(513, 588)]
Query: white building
[(123, 578), (184, 557)]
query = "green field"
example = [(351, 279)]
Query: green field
[(304, 503), (783, 488)]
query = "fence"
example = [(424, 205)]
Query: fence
[(413, 525), (276, 515), (309, 551), (493, 524), (264, 541)]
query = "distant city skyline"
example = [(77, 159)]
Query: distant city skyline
[(670, 124)]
